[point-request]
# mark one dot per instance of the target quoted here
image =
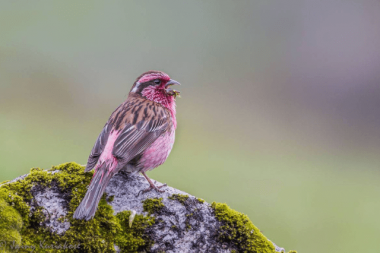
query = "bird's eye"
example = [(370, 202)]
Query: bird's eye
[(157, 81)]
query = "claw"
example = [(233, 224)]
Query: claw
[(151, 186)]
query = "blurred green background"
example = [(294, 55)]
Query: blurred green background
[(279, 115)]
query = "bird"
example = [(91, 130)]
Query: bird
[(138, 137)]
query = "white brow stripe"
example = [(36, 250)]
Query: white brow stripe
[(137, 85)]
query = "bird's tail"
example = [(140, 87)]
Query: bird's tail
[(87, 208)]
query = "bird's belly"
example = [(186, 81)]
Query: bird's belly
[(158, 151)]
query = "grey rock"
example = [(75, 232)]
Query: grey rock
[(190, 226)]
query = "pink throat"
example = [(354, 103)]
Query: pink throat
[(157, 94)]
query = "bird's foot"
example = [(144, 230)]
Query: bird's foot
[(153, 187), (156, 188)]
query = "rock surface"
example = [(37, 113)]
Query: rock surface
[(188, 226), (183, 224)]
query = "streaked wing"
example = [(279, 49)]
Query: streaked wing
[(139, 123), (98, 147), (134, 139)]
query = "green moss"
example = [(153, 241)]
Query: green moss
[(179, 197), (237, 229), (110, 198), (10, 224), (6, 181), (96, 235), (133, 239), (152, 205), (201, 200), (16, 201)]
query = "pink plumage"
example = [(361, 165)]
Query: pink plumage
[(138, 137), (158, 97), (158, 152)]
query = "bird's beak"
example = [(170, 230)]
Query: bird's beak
[(169, 91), (171, 82)]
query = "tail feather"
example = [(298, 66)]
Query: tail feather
[(87, 208)]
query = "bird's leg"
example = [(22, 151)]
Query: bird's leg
[(152, 185)]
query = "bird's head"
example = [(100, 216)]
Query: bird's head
[(156, 86)]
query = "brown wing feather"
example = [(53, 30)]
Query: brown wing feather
[(137, 110), (98, 147), (141, 122), (132, 142)]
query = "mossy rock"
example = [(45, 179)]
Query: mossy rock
[(25, 222), (237, 229), (96, 235), (180, 198), (152, 205), (132, 239), (10, 225)]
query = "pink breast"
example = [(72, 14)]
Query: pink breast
[(158, 152)]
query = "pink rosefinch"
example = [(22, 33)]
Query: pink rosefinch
[(138, 137)]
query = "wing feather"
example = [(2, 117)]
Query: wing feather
[(133, 141), (98, 147), (140, 123)]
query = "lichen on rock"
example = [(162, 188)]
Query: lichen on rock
[(36, 211)]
